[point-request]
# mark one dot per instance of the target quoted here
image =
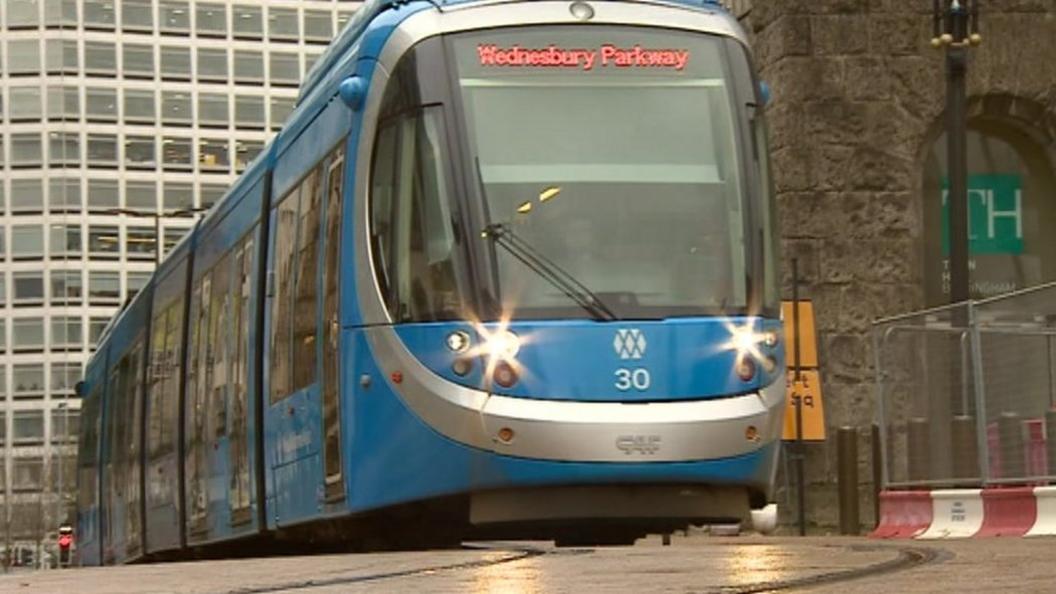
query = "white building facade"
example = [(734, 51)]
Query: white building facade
[(117, 116)]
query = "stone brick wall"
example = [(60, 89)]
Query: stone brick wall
[(858, 98)]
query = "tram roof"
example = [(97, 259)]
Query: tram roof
[(361, 21)]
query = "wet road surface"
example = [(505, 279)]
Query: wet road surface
[(694, 564)]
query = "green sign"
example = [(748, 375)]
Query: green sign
[(995, 214)]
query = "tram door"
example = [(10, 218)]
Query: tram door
[(331, 430)]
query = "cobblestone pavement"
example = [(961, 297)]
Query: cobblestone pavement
[(694, 564)]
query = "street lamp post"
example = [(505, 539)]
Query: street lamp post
[(955, 25)]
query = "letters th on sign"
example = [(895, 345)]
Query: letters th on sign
[(808, 391)]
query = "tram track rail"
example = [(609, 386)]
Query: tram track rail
[(907, 558)]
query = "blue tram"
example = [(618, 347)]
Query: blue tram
[(509, 269)]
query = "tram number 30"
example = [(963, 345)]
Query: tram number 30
[(638, 379)]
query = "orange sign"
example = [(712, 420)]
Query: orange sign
[(808, 391), (808, 350)]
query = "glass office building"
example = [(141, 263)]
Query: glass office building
[(115, 115)]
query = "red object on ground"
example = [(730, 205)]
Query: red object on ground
[(903, 514), (1008, 511)]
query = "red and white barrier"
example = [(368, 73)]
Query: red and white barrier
[(903, 514), (967, 513)]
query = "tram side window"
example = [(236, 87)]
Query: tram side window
[(294, 309), (285, 235), (89, 452), (165, 368), (412, 224), (220, 326)]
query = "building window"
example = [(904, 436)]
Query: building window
[(99, 14), (213, 154), (212, 110), (61, 56), (66, 333), (245, 152), (103, 242), (212, 64), (137, 15), (175, 17), (23, 56), (343, 17), (67, 287), (28, 334), (22, 14), (248, 22), (138, 61), (139, 243), (141, 196), (139, 107), (175, 108), (281, 108), (27, 381), (1011, 182), (212, 20), (318, 26), (283, 25), (28, 473), (177, 154), (136, 282), (104, 287), (102, 195), (285, 69), (65, 241), (100, 58), (249, 112), (310, 59), (64, 149), (173, 235), (29, 288), (175, 63), (102, 151), (139, 152), (64, 376), (23, 104), (64, 104), (65, 424), (3, 301), (249, 66), (64, 195), (27, 242), (25, 150), (96, 326), (100, 105), (211, 194), (178, 196), (60, 13), (27, 196)]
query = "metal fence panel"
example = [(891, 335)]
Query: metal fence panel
[(966, 394)]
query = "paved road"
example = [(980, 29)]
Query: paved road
[(694, 564)]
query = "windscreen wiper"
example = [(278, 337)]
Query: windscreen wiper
[(517, 247)]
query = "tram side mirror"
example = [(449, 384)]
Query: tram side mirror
[(353, 92), (79, 389)]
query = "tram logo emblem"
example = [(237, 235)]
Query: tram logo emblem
[(629, 344)]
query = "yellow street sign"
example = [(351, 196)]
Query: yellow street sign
[(808, 391), (808, 349)]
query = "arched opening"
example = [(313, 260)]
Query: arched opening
[(1012, 211)]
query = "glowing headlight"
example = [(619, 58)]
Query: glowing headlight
[(458, 341), (502, 345)]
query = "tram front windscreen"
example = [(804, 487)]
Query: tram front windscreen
[(613, 152)]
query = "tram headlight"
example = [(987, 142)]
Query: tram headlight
[(502, 345)]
